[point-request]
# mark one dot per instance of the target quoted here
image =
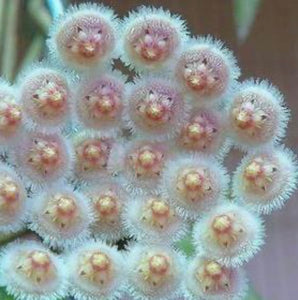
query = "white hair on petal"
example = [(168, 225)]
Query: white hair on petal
[(104, 13), (145, 14), (272, 102), (218, 177), (142, 290), (238, 286), (146, 233), (82, 289), (13, 223), (53, 236), (19, 286), (242, 251), (284, 183), (217, 48), (30, 80), (162, 85)]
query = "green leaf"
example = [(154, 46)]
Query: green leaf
[(245, 12), (252, 295), (186, 245), (4, 296)]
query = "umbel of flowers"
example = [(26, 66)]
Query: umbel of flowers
[(92, 158)]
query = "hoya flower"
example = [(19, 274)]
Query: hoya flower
[(61, 216), (154, 272), (206, 70), (141, 163), (92, 151), (84, 36), (205, 131), (156, 108), (30, 271), (11, 114), (43, 158), (194, 183), (108, 200), (96, 272), (208, 279), (45, 96), (151, 38), (266, 178), (100, 100), (13, 200), (230, 234), (257, 115), (153, 220)]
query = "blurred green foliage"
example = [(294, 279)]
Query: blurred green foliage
[(245, 12)]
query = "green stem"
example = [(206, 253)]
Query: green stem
[(34, 51), (39, 15), (9, 55), (56, 7), (2, 9), (6, 238)]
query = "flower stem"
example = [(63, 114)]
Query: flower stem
[(55, 7), (40, 15), (6, 238), (9, 54)]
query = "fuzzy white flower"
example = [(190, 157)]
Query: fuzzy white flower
[(84, 37), (46, 97), (13, 201), (61, 216), (108, 200), (154, 272), (151, 38), (266, 178), (96, 271), (207, 279), (11, 115), (206, 70), (153, 220), (100, 100), (230, 234), (156, 108), (257, 115), (29, 271), (194, 184)]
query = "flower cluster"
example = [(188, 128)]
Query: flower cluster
[(92, 157)]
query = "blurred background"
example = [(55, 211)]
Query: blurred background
[(263, 35)]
